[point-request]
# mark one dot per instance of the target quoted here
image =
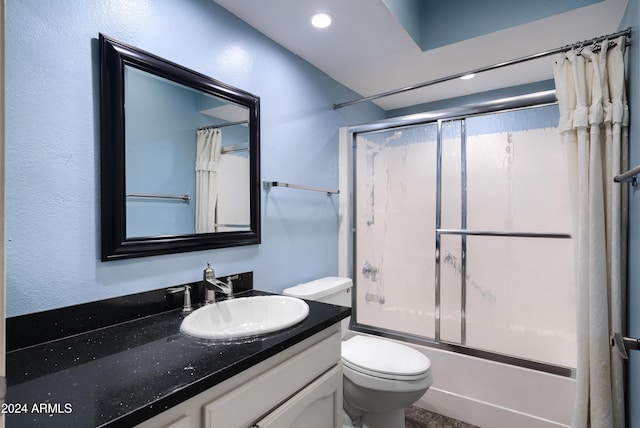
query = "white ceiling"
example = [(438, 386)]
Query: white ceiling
[(369, 51)]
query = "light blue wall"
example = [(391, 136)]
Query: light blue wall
[(435, 23), (451, 21), (410, 14), (632, 19), (162, 119), (52, 148)]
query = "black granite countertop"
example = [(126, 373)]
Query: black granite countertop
[(123, 374)]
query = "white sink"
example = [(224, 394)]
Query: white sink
[(244, 316)]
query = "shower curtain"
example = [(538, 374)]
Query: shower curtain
[(594, 129), (209, 147)]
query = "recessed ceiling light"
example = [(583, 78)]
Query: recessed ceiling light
[(468, 76), (321, 20)]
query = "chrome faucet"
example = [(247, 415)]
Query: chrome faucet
[(211, 287), (212, 284)]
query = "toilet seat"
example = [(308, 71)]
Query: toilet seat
[(384, 359)]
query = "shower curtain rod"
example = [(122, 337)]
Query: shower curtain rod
[(626, 33), (223, 125)]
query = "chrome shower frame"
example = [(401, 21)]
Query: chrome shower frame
[(538, 99)]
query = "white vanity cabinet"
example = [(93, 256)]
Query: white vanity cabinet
[(299, 387)]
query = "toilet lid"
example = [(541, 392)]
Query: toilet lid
[(384, 358)]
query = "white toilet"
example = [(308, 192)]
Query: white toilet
[(381, 377)]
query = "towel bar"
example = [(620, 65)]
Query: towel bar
[(183, 198), (622, 344), (269, 184)]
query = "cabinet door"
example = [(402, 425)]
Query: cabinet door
[(318, 405), (267, 391)]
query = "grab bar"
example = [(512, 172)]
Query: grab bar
[(269, 184), (629, 176), (184, 198)]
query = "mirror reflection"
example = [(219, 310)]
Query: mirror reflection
[(187, 159), (179, 157)]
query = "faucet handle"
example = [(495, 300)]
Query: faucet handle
[(230, 284), (186, 305)]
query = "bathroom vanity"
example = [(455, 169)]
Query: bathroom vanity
[(299, 387), (138, 369)]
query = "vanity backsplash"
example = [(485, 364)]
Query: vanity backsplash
[(31, 329)]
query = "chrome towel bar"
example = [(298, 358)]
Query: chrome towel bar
[(269, 184), (184, 198)]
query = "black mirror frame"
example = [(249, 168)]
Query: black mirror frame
[(114, 55)]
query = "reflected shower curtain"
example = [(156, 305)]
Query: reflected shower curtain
[(593, 126), (209, 147)]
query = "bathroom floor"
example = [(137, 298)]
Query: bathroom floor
[(415, 417)]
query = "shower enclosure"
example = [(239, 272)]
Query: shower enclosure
[(462, 235)]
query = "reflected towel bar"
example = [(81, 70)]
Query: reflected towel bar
[(234, 149), (628, 177), (224, 125), (269, 184), (183, 198)]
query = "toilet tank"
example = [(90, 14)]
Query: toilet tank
[(332, 289)]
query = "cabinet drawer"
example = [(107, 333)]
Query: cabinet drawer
[(318, 405), (245, 404)]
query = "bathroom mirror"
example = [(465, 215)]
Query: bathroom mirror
[(179, 157)]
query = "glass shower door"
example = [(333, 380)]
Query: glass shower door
[(394, 271), (505, 266), (462, 237)]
